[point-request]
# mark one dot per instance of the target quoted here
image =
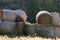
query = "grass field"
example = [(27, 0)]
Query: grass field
[(24, 38)]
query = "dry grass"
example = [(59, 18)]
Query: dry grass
[(24, 38)]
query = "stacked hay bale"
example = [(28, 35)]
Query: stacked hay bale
[(21, 18), (56, 19), (44, 20), (45, 29), (10, 19), (7, 21)]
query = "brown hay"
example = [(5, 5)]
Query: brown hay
[(19, 19), (8, 15), (25, 31), (30, 29), (45, 19), (56, 19), (20, 16), (7, 27), (1, 13), (19, 27)]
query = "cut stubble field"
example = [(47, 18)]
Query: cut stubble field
[(25, 38)]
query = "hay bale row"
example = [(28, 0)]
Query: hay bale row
[(9, 27), (9, 17)]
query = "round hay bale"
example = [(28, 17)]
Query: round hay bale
[(21, 16), (7, 27), (50, 32), (20, 27), (30, 29), (25, 28), (56, 19), (55, 14), (8, 15), (44, 17), (43, 30)]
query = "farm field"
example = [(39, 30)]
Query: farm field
[(24, 38)]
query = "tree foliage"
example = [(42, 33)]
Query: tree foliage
[(31, 7)]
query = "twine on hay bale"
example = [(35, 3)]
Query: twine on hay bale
[(44, 17)]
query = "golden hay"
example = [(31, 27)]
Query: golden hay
[(25, 38)]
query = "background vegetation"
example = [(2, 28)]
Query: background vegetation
[(31, 7)]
